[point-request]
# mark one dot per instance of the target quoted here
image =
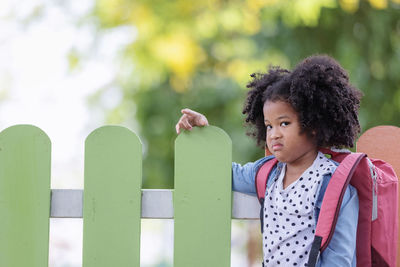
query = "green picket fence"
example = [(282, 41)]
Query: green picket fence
[(112, 195)]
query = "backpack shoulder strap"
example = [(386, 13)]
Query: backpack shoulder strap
[(262, 178), (331, 204)]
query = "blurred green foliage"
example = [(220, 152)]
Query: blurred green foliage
[(199, 54)]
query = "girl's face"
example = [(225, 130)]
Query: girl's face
[(283, 136)]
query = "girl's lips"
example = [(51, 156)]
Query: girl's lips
[(277, 147)]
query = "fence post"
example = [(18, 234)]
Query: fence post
[(112, 198), (25, 156), (202, 198)]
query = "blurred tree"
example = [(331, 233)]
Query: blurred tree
[(200, 54)]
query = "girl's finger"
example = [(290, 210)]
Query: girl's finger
[(202, 121), (178, 128), (186, 124), (180, 125), (190, 113)]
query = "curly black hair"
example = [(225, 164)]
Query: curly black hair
[(319, 90)]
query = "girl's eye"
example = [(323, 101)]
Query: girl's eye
[(268, 127), (285, 123)]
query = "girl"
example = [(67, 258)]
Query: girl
[(293, 114)]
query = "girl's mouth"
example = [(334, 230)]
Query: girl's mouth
[(277, 147)]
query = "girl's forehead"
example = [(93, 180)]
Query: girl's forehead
[(277, 106), (275, 110)]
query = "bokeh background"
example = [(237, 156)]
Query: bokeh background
[(72, 66), (200, 54)]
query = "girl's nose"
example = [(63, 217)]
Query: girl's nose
[(275, 133)]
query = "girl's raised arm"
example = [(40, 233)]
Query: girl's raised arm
[(189, 119)]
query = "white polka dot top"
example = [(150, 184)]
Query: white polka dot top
[(289, 223)]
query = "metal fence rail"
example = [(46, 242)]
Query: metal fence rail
[(156, 204)]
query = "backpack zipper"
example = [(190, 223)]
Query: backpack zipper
[(374, 190)]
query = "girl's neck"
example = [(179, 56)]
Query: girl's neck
[(295, 169)]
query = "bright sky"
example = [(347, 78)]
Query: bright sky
[(37, 87)]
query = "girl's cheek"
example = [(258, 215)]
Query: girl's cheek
[(268, 144)]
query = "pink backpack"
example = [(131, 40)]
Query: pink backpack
[(376, 184)]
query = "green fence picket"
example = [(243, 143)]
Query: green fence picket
[(202, 198), (25, 164), (112, 198)]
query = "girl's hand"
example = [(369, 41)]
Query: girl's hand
[(189, 119)]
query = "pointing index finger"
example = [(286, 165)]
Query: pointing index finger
[(189, 112)]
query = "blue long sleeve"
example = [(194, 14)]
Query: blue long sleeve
[(243, 177)]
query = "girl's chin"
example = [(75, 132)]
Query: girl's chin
[(280, 157)]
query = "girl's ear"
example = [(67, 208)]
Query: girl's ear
[(314, 136)]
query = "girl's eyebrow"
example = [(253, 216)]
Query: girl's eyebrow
[(279, 118), (283, 117)]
